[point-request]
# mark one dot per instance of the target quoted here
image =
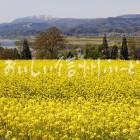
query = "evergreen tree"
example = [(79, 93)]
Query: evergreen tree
[(124, 49), (104, 49), (114, 52), (26, 53)]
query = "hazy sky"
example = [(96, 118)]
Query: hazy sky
[(11, 9)]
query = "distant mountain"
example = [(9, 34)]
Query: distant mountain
[(33, 19), (130, 16), (27, 26)]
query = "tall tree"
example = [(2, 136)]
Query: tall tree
[(104, 49), (50, 42), (26, 53), (124, 49)]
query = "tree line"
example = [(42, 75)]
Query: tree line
[(114, 52), (52, 45), (14, 53)]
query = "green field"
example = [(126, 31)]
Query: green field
[(98, 40)]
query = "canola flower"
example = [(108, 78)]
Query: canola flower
[(73, 103)]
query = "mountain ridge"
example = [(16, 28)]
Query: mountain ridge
[(32, 25), (44, 18)]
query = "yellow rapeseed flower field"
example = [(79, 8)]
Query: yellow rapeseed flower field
[(70, 100)]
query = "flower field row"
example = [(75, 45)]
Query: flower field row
[(78, 100)]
